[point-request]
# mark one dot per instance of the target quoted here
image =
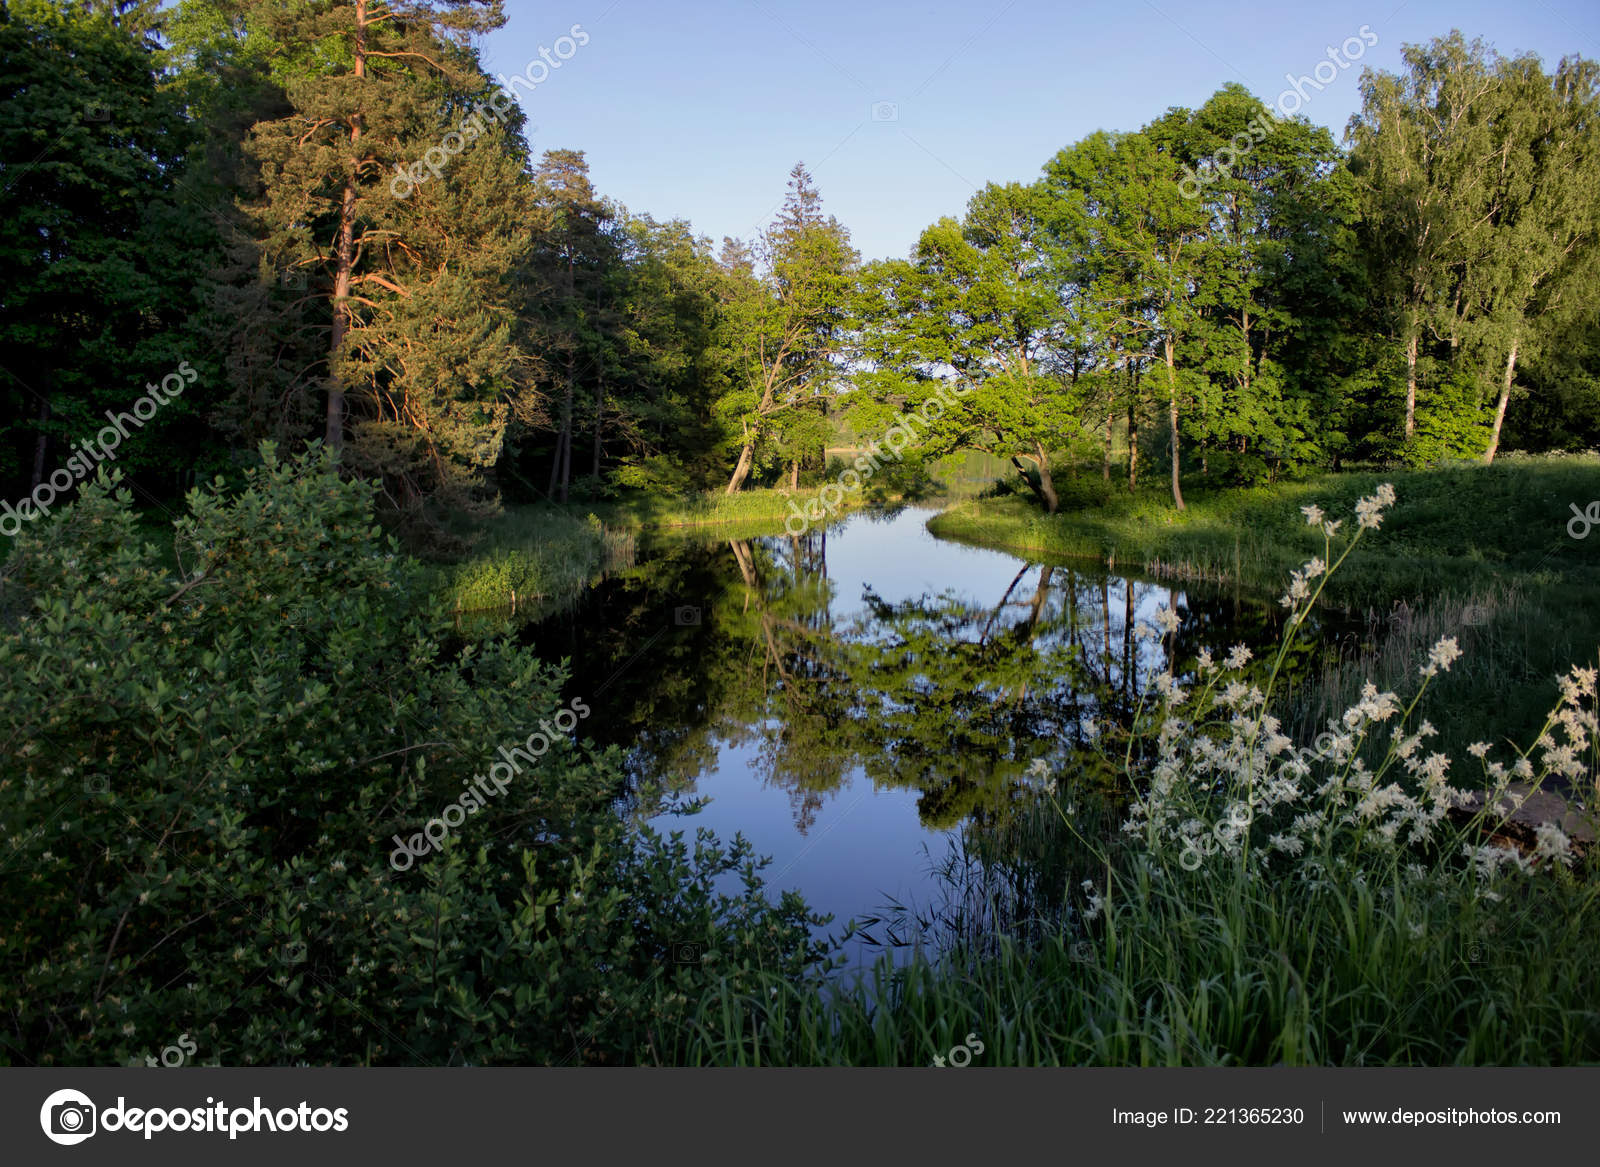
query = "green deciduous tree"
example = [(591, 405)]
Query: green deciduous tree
[(784, 321)]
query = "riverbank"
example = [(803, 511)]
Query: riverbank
[(545, 555), (1482, 553)]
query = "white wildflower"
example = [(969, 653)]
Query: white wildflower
[(1441, 656), (1288, 844), (1551, 842)]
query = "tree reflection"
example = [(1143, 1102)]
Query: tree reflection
[(956, 697)]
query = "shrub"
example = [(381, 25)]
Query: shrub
[(204, 774)]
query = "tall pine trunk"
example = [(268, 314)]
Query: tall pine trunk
[(344, 252), (561, 464), (1105, 462)]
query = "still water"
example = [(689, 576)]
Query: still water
[(867, 702)]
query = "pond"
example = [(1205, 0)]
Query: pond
[(872, 707)]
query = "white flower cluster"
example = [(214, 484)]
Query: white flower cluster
[(1226, 782)]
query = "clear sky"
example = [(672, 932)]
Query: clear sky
[(697, 109)]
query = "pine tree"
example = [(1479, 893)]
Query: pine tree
[(392, 216)]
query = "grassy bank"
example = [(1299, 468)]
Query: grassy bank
[(543, 556), (1478, 552), (534, 556), (1457, 530)]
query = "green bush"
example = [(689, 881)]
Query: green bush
[(204, 773)]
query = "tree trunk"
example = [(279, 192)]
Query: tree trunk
[(566, 454), (40, 447), (1411, 379), (1022, 469), (1133, 445), (344, 252), (1047, 487), (344, 257), (1105, 465), (742, 470), (1172, 417), (555, 466), (794, 475), (561, 465), (599, 417), (1500, 408)]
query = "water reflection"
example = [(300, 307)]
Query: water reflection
[(867, 702)]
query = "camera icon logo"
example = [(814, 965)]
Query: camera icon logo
[(96, 111), (96, 784), (67, 1117), (686, 615), (292, 279), (885, 111), (687, 951)]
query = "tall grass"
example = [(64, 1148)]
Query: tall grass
[(1229, 970)]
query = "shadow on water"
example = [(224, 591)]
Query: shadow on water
[(883, 713)]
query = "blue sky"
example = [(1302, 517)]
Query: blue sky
[(697, 109)]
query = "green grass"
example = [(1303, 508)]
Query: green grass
[(1477, 552), (766, 507), (538, 557), (1455, 529), (1184, 970)]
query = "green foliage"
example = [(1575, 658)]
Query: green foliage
[(206, 772), (786, 309), (102, 256)]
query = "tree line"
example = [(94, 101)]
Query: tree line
[(332, 212)]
